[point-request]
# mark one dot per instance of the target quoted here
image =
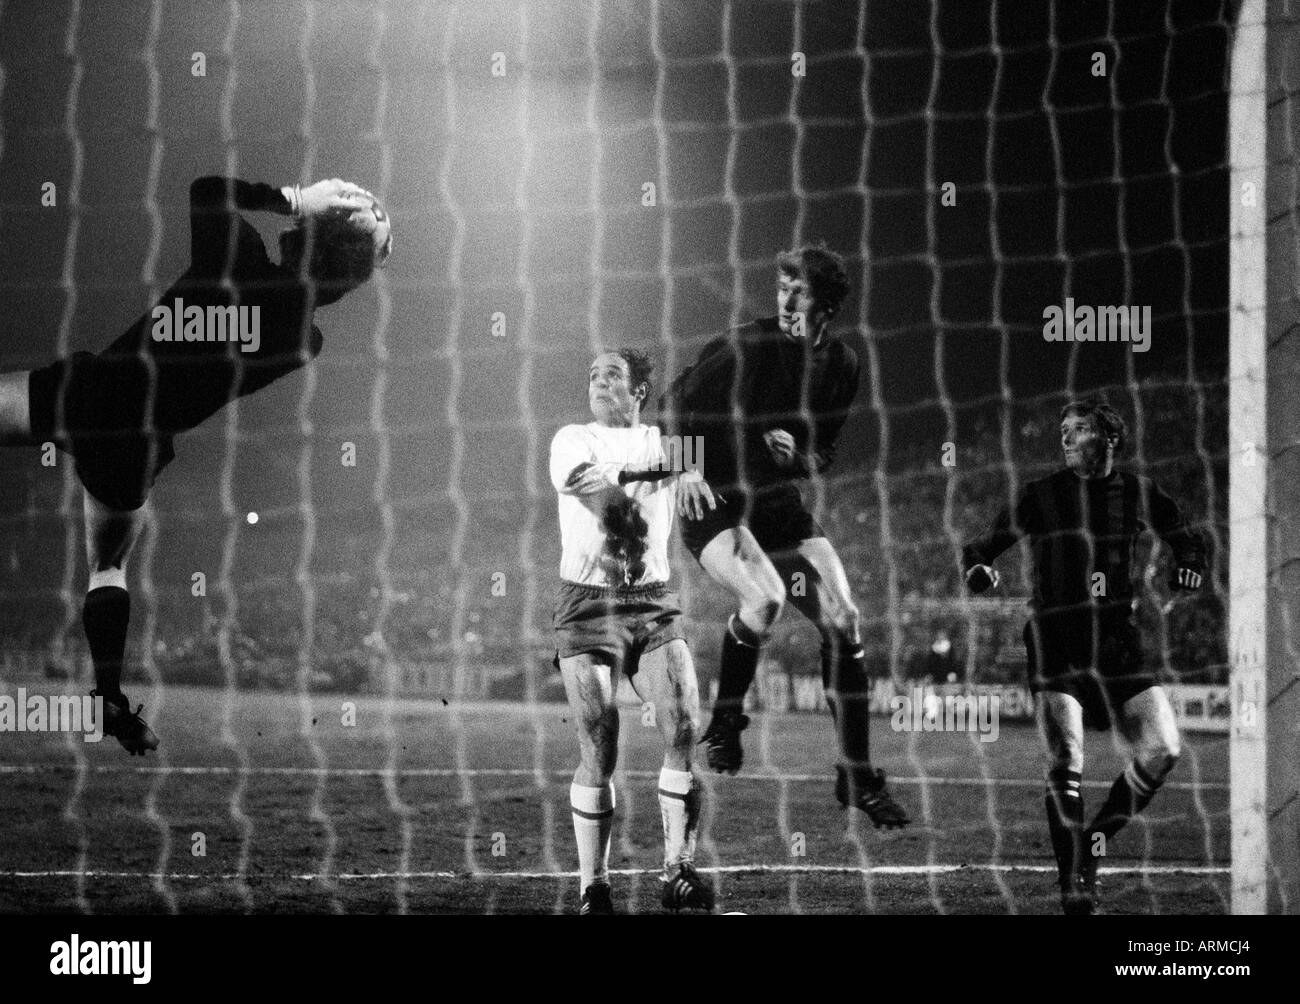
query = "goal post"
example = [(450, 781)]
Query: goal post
[(1264, 469)]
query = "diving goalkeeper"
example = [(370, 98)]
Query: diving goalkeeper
[(233, 323)]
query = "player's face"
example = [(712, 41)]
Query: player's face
[(609, 391), (794, 300), (1084, 446)]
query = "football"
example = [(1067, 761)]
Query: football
[(376, 222)]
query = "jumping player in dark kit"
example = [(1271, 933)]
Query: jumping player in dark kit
[(233, 323), (1085, 655), (768, 403)]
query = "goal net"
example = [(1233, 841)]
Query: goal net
[(377, 537)]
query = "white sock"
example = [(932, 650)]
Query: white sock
[(679, 804), (593, 822)]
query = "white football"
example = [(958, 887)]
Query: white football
[(376, 222)]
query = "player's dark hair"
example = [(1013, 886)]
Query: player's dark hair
[(342, 257), (1110, 423), (640, 368), (823, 270)]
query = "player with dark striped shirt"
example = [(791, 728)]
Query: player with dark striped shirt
[(233, 323), (1085, 656), (767, 403)]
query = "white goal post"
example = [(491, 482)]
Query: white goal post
[(1264, 468)]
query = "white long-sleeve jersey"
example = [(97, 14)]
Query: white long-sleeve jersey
[(617, 536)]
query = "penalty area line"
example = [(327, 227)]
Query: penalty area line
[(472, 772), (877, 870)]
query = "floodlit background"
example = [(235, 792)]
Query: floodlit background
[(522, 194)]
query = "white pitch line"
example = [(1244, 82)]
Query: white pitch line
[(969, 782), (945, 869)]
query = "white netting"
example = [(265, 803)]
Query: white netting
[(513, 144)]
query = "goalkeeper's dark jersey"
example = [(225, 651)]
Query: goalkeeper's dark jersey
[(1079, 527), (187, 381), (755, 380)]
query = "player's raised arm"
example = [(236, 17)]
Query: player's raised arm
[(1187, 544), (214, 199)]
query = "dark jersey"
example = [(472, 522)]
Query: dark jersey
[(755, 380), (177, 384), (1079, 527)]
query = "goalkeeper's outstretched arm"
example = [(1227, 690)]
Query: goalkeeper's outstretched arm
[(213, 201), (214, 198)]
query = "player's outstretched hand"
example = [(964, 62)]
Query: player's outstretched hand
[(982, 577), (780, 444), (1185, 578), (693, 494), (332, 196)]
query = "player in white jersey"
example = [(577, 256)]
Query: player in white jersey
[(615, 614)]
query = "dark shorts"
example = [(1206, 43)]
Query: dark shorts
[(775, 515), (1062, 659), (101, 425), (621, 624)]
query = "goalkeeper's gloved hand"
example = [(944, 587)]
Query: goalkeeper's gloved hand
[(331, 196)]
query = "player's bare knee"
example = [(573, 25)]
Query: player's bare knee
[(763, 612), (841, 626), (599, 741), (681, 730), (597, 760), (592, 775), (1171, 748), (1065, 753), (1160, 757), (1071, 760)]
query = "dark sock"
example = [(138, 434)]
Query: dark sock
[(105, 615), (848, 692), (1126, 799), (1064, 804), (737, 667)]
